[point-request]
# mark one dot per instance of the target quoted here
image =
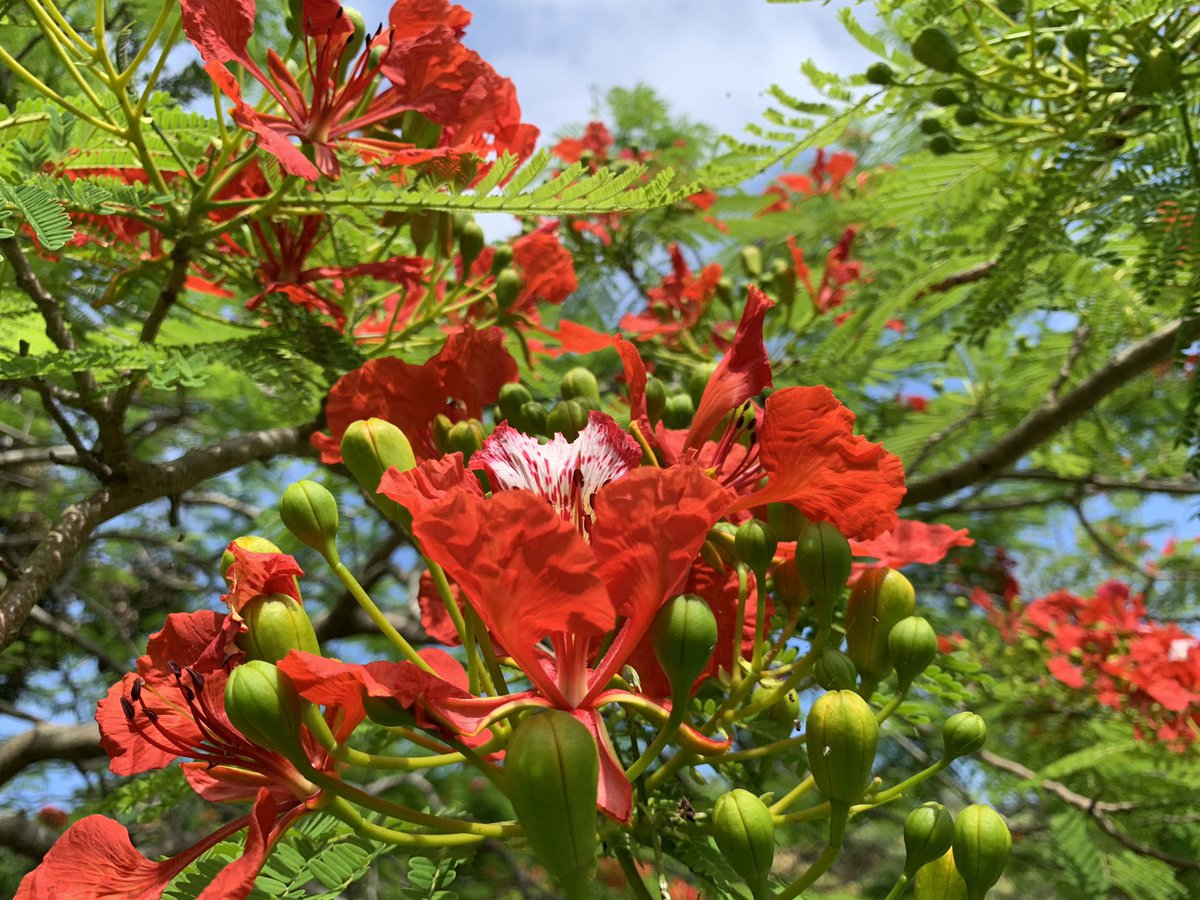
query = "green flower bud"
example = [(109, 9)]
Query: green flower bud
[(263, 705), (567, 418), (422, 226), (552, 773), (945, 96), (755, 544), (823, 563), (725, 289), (275, 624), (842, 737), (1046, 44), (963, 734), (440, 427), (942, 144), (982, 845), (470, 243), (387, 712), (683, 636), (835, 671), (533, 418), (369, 448), (936, 49), (784, 711), (678, 411), (355, 43), (250, 542), (656, 400), (912, 646), (967, 115), (880, 73), (465, 437), (745, 834), (928, 834), (508, 287), (931, 125), (581, 385), (309, 512), (787, 587), (880, 598), (512, 397), (787, 521), (752, 261), (698, 380), (502, 257), (939, 880), (1078, 40)]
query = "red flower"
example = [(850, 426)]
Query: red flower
[(597, 140), (428, 69), (912, 542), (677, 304), (840, 271), (463, 377), (546, 267), (917, 403)]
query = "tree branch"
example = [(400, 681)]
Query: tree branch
[(73, 743), (148, 482), (1048, 418), (1103, 483), (1097, 809), (24, 835), (967, 276)]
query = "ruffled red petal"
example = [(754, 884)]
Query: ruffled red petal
[(910, 542)]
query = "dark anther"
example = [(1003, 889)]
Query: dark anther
[(577, 478), (151, 715), (228, 658), (127, 708), (187, 693), (197, 679), (339, 13), (135, 692), (308, 23), (175, 668)]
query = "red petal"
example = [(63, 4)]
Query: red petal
[(420, 488), (910, 541), (95, 860), (473, 366), (615, 795), (293, 161), (635, 378), (526, 571), (576, 338), (221, 30), (253, 574), (741, 374), (814, 461), (235, 881), (125, 742)]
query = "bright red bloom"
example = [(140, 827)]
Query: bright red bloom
[(677, 304), (463, 377), (840, 271), (597, 140), (428, 71), (911, 542), (827, 175), (648, 527), (917, 403), (254, 574), (546, 267)]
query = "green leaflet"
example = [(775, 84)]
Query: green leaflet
[(41, 211)]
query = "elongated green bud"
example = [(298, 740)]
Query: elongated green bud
[(263, 705), (502, 257), (552, 773), (355, 44), (275, 624), (912, 646), (880, 598), (465, 437), (787, 521), (580, 385), (251, 542), (440, 427), (567, 418), (939, 880), (512, 397), (309, 512), (422, 226), (656, 400), (508, 287), (963, 734), (982, 844), (752, 261), (678, 411), (698, 380), (928, 834), (369, 448), (683, 636), (470, 243), (725, 289), (784, 710), (745, 834), (842, 737), (1158, 73), (755, 544), (835, 671), (534, 418), (936, 49), (823, 562)]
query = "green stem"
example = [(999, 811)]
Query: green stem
[(898, 888), (840, 812), (650, 754), (637, 886), (376, 615), (793, 795), (352, 817), (319, 728)]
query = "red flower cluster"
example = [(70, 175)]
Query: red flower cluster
[(675, 305), (840, 271), (827, 176), (1107, 644)]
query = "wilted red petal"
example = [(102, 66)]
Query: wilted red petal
[(910, 542), (814, 461), (741, 374), (253, 574), (526, 571), (635, 378)]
